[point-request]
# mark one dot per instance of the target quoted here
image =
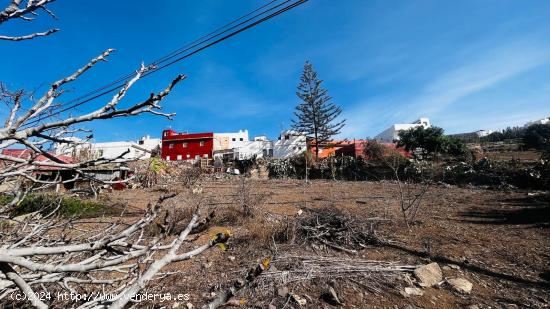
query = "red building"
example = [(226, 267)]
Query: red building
[(186, 146), (356, 148)]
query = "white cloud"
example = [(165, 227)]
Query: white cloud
[(471, 76)]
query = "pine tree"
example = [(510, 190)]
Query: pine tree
[(316, 114)]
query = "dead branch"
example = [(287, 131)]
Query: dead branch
[(51, 253), (16, 11), (239, 284)]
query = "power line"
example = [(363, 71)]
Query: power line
[(175, 52), (188, 50)]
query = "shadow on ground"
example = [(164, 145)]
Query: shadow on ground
[(529, 210)]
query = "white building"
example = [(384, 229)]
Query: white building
[(142, 149), (392, 133), (289, 143), (254, 149), (226, 141), (540, 121), (482, 133)]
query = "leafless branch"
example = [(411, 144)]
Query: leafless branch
[(15, 10)]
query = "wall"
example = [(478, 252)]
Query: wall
[(110, 150), (186, 146), (289, 144), (233, 140), (392, 133), (257, 149)]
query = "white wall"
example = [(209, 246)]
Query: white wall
[(258, 149), (289, 144), (392, 133), (235, 140), (111, 150)]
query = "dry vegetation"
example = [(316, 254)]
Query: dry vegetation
[(345, 244)]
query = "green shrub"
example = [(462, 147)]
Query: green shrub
[(46, 203)]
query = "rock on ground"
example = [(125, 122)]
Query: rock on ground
[(460, 285), (428, 275), (412, 291)]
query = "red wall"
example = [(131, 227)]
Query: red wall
[(357, 149), (190, 150)]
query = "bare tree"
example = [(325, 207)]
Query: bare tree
[(15, 10), (45, 253), (36, 128), (409, 192), (38, 257)]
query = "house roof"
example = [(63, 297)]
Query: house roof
[(173, 136), (27, 153)]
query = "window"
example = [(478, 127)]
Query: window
[(167, 158), (184, 144), (171, 145), (188, 156), (233, 139), (141, 142), (241, 139), (201, 143), (205, 155), (179, 157), (287, 136)]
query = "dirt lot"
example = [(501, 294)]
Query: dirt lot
[(497, 240)]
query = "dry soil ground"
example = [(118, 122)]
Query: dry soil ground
[(498, 240)]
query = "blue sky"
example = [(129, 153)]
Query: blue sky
[(465, 64)]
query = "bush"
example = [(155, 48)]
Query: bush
[(431, 141), (46, 203), (537, 137), (498, 174)]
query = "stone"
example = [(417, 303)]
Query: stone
[(412, 291), (299, 300), (460, 285), (454, 266), (231, 258), (189, 306), (282, 291), (428, 275), (271, 306), (472, 307)]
